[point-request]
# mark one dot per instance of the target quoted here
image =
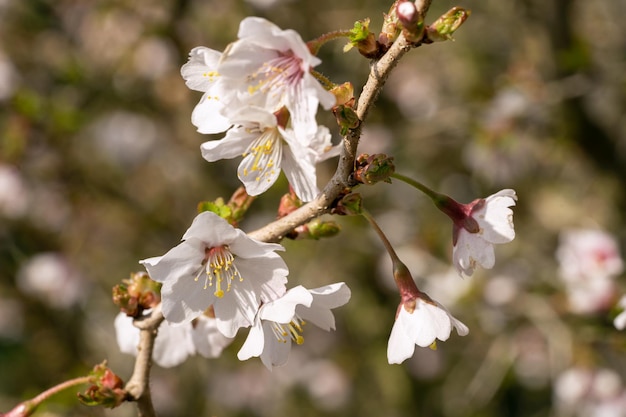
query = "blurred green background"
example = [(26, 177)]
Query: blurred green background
[(100, 167)]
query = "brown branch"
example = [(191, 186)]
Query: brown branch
[(341, 180), (138, 385)]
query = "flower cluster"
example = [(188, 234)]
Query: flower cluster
[(261, 92), (217, 281), (420, 320), (477, 226)]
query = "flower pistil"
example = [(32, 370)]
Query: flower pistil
[(278, 73), (292, 330), (220, 267)]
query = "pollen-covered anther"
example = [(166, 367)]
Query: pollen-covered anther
[(277, 74), (212, 75), (220, 268), (292, 330), (266, 150)]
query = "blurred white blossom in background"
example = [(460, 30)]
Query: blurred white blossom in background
[(50, 278)]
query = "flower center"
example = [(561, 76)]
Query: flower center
[(220, 269), (277, 74), (262, 155), (292, 330)]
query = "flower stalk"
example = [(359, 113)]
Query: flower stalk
[(28, 407), (316, 44)]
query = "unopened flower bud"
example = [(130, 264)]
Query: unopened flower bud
[(322, 228), (315, 229), (371, 169), (364, 40), (239, 204), (233, 211), (107, 389), (443, 28), (411, 20), (346, 118), (137, 294), (350, 205), (391, 27), (288, 203), (344, 94)]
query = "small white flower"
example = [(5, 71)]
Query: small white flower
[(174, 344), (276, 65), (220, 266), (282, 320), (268, 149), (200, 74), (421, 322), (488, 221)]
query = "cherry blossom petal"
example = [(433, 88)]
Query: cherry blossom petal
[(200, 72), (324, 300), (207, 339), (207, 115), (400, 347), (496, 218), (210, 229), (471, 251), (254, 344), (282, 310)]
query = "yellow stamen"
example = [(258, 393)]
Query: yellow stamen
[(220, 268)]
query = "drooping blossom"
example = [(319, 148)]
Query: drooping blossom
[(275, 65), (477, 227), (200, 74), (220, 266), (269, 148), (174, 344), (283, 320), (420, 320)]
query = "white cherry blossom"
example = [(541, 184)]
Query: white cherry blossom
[(282, 321), (268, 149), (276, 65), (220, 266), (485, 222), (420, 321)]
